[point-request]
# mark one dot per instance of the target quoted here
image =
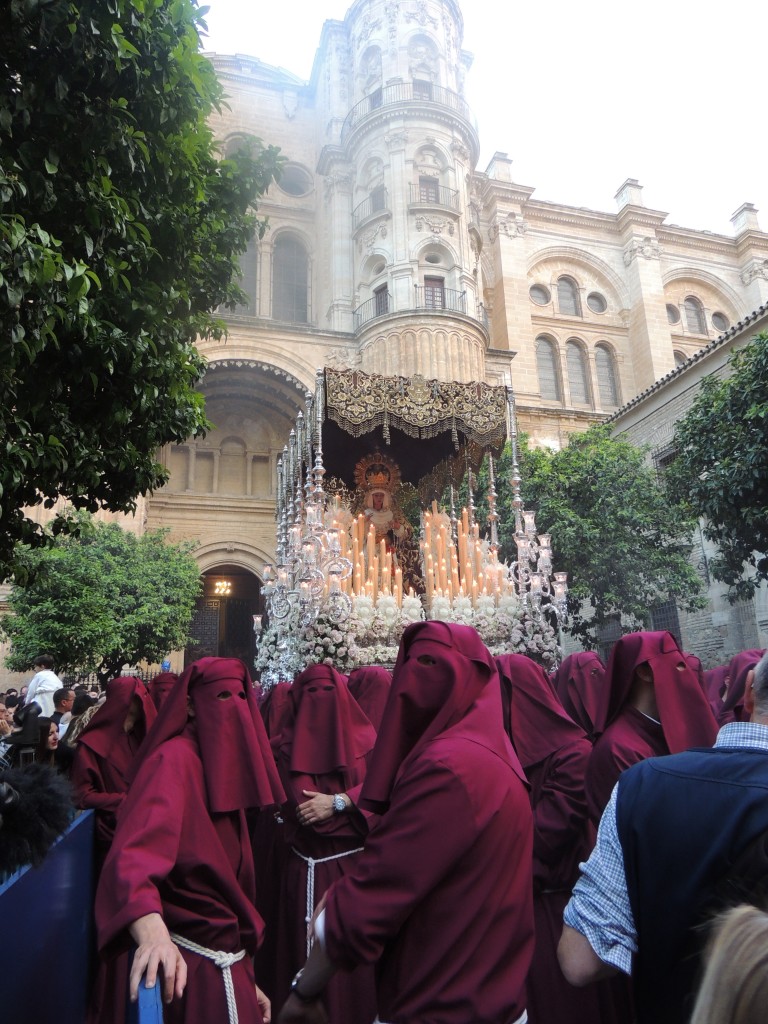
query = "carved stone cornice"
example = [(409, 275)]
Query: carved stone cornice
[(672, 236), (637, 217), (331, 156), (641, 248)]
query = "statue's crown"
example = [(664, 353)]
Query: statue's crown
[(378, 479)]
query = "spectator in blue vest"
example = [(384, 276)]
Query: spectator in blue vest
[(668, 839)]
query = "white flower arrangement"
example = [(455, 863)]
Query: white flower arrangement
[(412, 610), (462, 610), (441, 609)]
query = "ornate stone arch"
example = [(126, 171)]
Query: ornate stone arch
[(711, 281), (232, 552), (579, 257)]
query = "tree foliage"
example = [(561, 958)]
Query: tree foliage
[(119, 233), (721, 467), (101, 600), (622, 541)]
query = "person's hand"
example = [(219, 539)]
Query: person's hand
[(318, 808), (156, 950), (295, 1011), (264, 1005)]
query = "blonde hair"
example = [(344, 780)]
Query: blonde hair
[(734, 989)]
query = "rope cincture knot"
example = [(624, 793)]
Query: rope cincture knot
[(310, 862), (224, 961)]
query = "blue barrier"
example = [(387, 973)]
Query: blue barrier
[(149, 1007), (46, 933)]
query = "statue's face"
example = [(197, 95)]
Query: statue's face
[(378, 501)]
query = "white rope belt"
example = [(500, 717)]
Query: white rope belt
[(310, 862), (224, 962)]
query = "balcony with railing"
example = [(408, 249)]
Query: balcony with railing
[(435, 299), (379, 305), (376, 202), (433, 195), (404, 93)]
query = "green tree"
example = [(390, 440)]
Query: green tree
[(120, 228), (622, 541), (101, 600), (721, 467)]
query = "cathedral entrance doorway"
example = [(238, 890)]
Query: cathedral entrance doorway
[(223, 622)]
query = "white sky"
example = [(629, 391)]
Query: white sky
[(583, 95)]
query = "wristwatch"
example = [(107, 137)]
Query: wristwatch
[(339, 803), (300, 995)]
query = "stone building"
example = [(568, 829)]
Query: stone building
[(389, 250)]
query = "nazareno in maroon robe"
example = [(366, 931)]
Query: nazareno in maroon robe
[(182, 847), (369, 685), (105, 752), (581, 685), (685, 717), (554, 752), (161, 686), (441, 898), (324, 746)]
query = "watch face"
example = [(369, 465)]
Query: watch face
[(338, 803)]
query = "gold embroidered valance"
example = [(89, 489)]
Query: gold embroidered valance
[(360, 402)]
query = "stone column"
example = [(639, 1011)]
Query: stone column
[(649, 333), (191, 460), (752, 249)]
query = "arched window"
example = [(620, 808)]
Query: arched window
[(607, 377), (694, 315), (680, 358), (249, 261), (568, 298), (546, 362), (290, 281), (578, 381)]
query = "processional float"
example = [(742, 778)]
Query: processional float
[(368, 535)]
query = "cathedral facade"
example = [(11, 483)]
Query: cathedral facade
[(389, 250)]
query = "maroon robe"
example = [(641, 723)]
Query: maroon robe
[(581, 685), (631, 737), (105, 753), (715, 680), (171, 857), (554, 752), (685, 717), (324, 746), (441, 898), (161, 686), (182, 847), (369, 685)]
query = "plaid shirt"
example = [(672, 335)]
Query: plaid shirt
[(599, 906)]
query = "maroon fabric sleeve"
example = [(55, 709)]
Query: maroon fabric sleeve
[(143, 852), (404, 861), (560, 816)]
